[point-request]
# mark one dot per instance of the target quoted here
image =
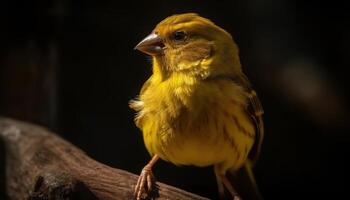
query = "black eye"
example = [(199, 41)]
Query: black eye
[(179, 35)]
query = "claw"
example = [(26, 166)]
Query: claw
[(144, 184)]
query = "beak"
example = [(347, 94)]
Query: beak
[(151, 45)]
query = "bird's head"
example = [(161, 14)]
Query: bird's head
[(188, 43)]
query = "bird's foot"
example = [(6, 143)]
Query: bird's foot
[(145, 183)]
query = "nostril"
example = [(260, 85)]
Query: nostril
[(160, 44)]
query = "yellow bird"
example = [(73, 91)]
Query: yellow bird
[(197, 108)]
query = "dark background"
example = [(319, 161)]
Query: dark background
[(70, 65)]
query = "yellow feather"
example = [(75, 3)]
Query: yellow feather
[(190, 111)]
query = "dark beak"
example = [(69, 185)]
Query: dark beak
[(151, 45)]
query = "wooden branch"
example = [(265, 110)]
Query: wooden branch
[(40, 165)]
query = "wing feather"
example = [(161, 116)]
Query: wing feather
[(255, 111)]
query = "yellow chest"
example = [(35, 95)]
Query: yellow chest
[(196, 123)]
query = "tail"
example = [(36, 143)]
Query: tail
[(244, 182)]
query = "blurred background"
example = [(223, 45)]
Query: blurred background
[(70, 66)]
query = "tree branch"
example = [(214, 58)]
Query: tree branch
[(41, 165)]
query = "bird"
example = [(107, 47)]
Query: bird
[(198, 107)]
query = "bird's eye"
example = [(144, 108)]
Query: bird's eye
[(179, 35)]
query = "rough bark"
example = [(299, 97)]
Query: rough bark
[(40, 165)]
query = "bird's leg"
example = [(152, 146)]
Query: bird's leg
[(230, 188), (146, 180), (222, 179), (219, 182)]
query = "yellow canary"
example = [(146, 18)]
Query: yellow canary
[(197, 108)]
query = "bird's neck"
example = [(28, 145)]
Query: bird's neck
[(160, 69), (180, 71)]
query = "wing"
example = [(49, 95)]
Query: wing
[(255, 111)]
